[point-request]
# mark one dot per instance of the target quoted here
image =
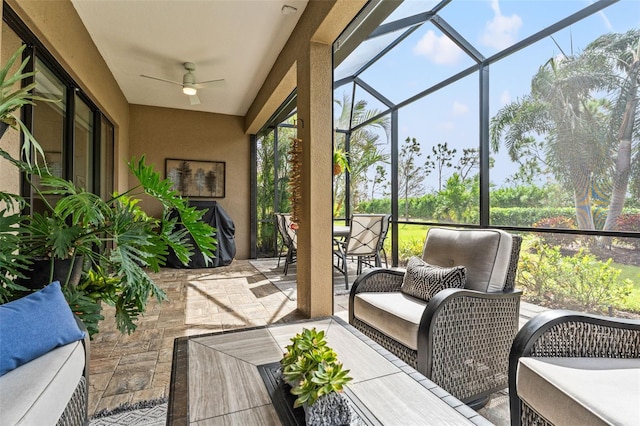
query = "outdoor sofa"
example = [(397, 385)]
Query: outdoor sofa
[(44, 365)]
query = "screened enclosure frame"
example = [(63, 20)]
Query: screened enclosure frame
[(369, 26)]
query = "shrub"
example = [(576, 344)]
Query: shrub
[(557, 222), (574, 282), (408, 248), (526, 216), (522, 196), (629, 223), (537, 269)]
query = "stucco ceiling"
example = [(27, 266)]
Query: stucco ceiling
[(236, 40)]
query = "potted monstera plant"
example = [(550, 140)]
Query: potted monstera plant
[(114, 242), (317, 378)]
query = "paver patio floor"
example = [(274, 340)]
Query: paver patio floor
[(137, 367)]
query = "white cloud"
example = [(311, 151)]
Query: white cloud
[(447, 125), (440, 49), (501, 31), (459, 108), (505, 97)]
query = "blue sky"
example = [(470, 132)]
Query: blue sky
[(427, 56)]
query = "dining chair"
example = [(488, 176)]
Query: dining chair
[(364, 242), (289, 239), (382, 253), (280, 245)]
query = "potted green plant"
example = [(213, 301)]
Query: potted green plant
[(114, 240), (13, 96), (340, 161), (316, 377)]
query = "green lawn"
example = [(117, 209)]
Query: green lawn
[(412, 232), (411, 239), (632, 273)]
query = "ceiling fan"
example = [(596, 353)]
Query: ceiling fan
[(189, 84)]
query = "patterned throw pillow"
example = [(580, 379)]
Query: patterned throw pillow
[(423, 280)]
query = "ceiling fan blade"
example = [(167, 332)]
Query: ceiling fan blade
[(194, 100), (213, 83), (161, 79)]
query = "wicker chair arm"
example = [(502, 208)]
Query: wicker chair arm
[(378, 280), (562, 333), (467, 330), (381, 280)]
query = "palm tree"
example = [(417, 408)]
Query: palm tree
[(582, 133), (364, 147), (621, 53)]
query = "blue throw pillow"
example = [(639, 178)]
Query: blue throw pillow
[(35, 324)]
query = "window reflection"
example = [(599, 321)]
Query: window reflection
[(48, 126), (107, 155), (83, 147)]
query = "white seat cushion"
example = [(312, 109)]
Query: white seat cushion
[(581, 391), (395, 314), (36, 393)]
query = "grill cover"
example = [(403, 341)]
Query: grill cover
[(226, 247)]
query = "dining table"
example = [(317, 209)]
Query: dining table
[(340, 231)]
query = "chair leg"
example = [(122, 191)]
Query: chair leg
[(346, 272), (287, 261)]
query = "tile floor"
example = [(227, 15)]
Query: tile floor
[(137, 367)]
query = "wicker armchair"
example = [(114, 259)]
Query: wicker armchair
[(463, 335), (574, 368)]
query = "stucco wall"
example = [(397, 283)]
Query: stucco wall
[(10, 141), (160, 133)]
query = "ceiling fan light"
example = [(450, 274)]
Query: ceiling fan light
[(189, 90)]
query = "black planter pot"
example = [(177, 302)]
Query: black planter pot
[(3, 128), (38, 276)]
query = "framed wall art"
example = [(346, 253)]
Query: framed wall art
[(197, 179)]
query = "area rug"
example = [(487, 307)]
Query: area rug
[(144, 413)]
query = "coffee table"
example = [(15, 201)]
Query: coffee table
[(215, 379)]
